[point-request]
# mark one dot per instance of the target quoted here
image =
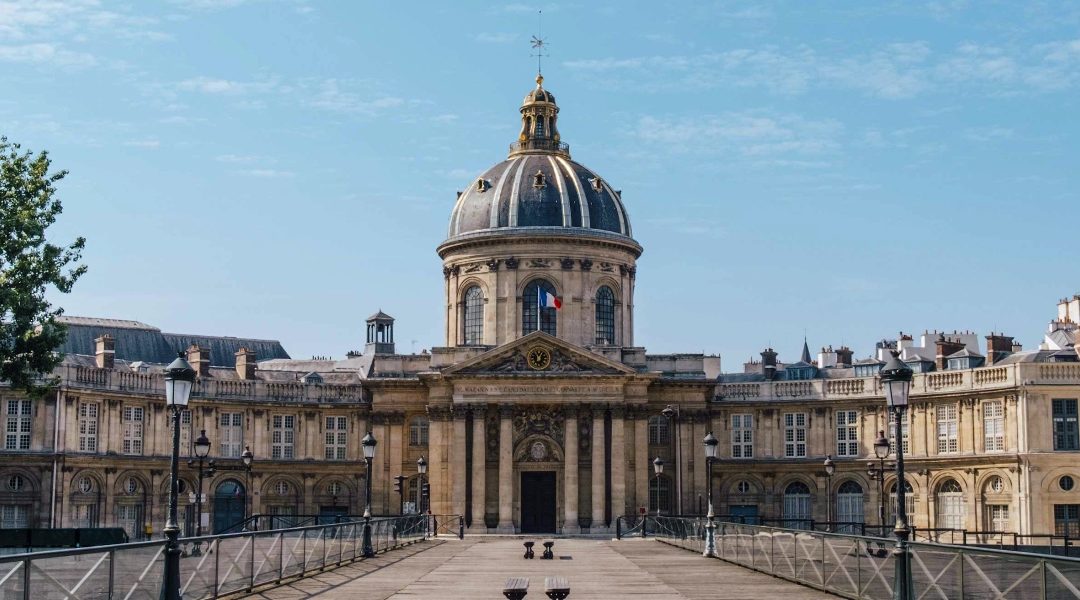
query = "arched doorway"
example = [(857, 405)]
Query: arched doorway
[(950, 505), (230, 504), (849, 507), (797, 506)]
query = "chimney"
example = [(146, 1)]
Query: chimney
[(998, 346), (245, 364), (945, 348), (1017, 347), (104, 351), (768, 364), (844, 356), (199, 359)]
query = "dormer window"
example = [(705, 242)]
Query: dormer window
[(482, 185), (598, 184), (312, 378), (538, 180)]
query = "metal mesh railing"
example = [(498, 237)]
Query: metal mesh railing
[(863, 567), (210, 566)]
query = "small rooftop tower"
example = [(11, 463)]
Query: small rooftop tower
[(380, 333)]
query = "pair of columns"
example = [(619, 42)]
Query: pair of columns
[(571, 473)]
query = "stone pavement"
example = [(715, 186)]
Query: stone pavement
[(597, 569)]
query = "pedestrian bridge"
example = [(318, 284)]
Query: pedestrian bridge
[(414, 561)]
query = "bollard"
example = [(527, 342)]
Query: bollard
[(618, 528), (461, 528)]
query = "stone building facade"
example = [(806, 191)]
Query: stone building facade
[(538, 413)]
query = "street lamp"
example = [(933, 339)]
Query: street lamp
[(202, 450), (830, 468), (658, 469), (246, 458), (711, 444), (877, 472), (179, 379), (368, 444), (896, 381)]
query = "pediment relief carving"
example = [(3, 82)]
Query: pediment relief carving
[(539, 353)]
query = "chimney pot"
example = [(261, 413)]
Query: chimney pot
[(199, 358), (105, 352), (245, 364)]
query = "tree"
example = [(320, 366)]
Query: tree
[(29, 266)]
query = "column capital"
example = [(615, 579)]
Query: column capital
[(618, 411), (598, 410), (506, 411), (438, 413), (478, 410)]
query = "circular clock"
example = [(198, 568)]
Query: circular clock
[(539, 358)]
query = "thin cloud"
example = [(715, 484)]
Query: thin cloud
[(45, 54), (147, 144), (265, 173), (496, 38)]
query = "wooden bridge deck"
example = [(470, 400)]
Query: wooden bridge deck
[(597, 569)]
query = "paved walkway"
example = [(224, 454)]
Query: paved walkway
[(477, 567)]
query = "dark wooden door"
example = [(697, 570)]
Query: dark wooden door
[(538, 502)]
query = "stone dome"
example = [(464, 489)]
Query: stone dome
[(539, 186)]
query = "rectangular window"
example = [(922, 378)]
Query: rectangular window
[(14, 516), (794, 435), (659, 431), (994, 427), (185, 431), (336, 438), (742, 436), (84, 515), (1067, 519), (282, 436), (847, 433), (88, 426), (133, 430), (1065, 434), (948, 437), (129, 516), (17, 428), (997, 516), (904, 427), (231, 430)]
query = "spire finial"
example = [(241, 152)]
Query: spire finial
[(539, 44)]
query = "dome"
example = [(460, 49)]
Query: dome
[(539, 185)]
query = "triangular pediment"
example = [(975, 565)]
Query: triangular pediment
[(539, 353)]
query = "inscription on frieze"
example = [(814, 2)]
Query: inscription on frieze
[(511, 389)]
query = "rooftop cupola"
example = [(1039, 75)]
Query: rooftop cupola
[(539, 129), (380, 333)]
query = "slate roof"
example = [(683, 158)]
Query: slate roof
[(965, 353), (137, 341)]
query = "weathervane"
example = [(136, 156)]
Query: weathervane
[(538, 42)]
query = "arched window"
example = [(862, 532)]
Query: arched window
[(950, 505), (909, 502), (797, 506), (418, 432), (474, 316), (410, 497), (660, 494), (659, 430), (849, 506), (534, 318), (605, 316)]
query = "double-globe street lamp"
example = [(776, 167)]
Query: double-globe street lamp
[(202, 450), (179, 379), (711, 444), (896, 380), (368, 443), (877, 473), (830, 468)]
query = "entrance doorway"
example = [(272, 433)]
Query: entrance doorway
[(538, 502), (230, 503), (744, 513), (329, 515)]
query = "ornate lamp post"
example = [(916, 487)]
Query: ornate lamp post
[(421, 470), (830, 468), (896, 381), (671, 413), (179, 379), (368, 444), (202, 450), (711, 444), (658, 469), (246, 458), (877, 472)]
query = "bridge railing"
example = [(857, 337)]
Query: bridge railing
[(862, 567), (210, 566)]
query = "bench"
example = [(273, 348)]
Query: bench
[(556, 588), (529, 549), (548, 553), (516, 588)]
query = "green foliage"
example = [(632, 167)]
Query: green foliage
[(29, 266)]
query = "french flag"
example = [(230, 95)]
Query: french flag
[(548, 300)]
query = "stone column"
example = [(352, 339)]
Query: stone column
[(457, 463), (479, 469), (570, 472), (643, 469), (618, 464), (506, 469), (437, 473), (598, 469)]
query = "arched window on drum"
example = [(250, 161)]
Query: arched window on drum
[(605, 316), (533, 317), (473, 316)]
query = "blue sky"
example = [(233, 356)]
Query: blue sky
[(284, 169)]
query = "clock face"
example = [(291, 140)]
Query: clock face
[(539, 358)]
